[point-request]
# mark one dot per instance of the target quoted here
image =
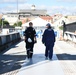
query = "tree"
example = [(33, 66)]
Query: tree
[(15, 24), (66, 16), (61, 27), (0, 23), (19, 24), (5, 23)]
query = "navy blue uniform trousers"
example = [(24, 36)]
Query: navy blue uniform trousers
[(49, 50)]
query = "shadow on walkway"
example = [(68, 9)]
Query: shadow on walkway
[(37, 60), (12, 46), (66, 56), (10, 63)]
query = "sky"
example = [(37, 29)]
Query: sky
[(65, 7)]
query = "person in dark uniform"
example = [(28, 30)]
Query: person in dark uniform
[(30, 39), (48, 39)]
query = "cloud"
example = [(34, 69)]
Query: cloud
[(51, 10), (67, 0), (12, 1), (62, 9), (13, 7)]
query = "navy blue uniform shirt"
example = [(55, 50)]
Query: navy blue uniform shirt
[(48, 36)]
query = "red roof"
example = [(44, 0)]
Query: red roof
[(47, 18)]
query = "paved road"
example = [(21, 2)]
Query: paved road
[(66, 54), (38, 65), (13, 61)]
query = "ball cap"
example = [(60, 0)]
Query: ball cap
[(48, 24)]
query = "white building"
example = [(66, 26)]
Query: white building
[(66, 19), (59, 22), (23, 14), (11, 18)]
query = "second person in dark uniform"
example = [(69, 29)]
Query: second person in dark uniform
[(48, 39), (30, 39)]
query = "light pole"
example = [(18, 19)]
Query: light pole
[(17, 13), (2, 23), (64, 27)]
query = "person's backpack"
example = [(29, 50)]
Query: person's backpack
[(30, 33)]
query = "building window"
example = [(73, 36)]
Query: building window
[(16, 16), (8, 16), (12, 16)]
